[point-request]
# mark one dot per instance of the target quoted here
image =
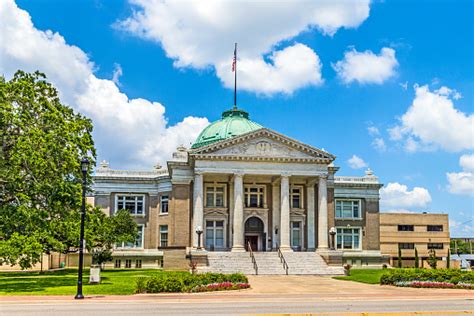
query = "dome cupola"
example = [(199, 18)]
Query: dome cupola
[(234, 122)]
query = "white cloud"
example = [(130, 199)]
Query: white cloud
[(373, 131), (201, 34), (432, 122), (467, 162), (379, 144), (398, 196), (367, 67), (133, 132), (118, 72), (355, 162), (461, 228), (462, 183)]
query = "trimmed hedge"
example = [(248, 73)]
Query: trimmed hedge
[(184, 282), (453, 276)]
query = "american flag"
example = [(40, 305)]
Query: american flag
[(234, 61)]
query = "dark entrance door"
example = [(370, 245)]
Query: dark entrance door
[(254, 233), (253, 240)]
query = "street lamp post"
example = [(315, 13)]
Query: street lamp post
[(84, 168), (199, 231)]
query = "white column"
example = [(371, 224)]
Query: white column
[(275, 213), (238, 243), (231, 212), (311, 234), (198, 212), (285, 214), (323, 213)]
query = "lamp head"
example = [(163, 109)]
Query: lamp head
[(84, 164)]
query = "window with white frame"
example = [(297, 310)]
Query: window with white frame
[(348, 238), (163, 236), (295, 234), (214, 234), (215, 195), (297, 197), (164, 199), (348, 209), (138, 241), (255, 196), (135, 204)]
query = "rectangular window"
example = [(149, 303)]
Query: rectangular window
[(435, 245), (118, 263), (348, 238), (215, 196), (214, 234), (128, 263), (296, 234), (348, 209), (255, 196), (138, 242), (138, 263), (406, 245), (163, 236), (406, 228), (296, 197), (434, 228), (164, 204), (132, 203)]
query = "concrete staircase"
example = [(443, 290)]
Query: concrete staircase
[(299, 263), (310, 263)]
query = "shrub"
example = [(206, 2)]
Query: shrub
[(140, 284), (452, 276), (185, 282), (417, 259)]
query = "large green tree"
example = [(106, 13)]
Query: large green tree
[(42, 143)]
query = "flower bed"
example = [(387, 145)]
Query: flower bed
[(439, 285), (429, 278), (224, 286), (186, 282)]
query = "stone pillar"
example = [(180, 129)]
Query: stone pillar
[(311, 216), (285, 214), (238, 242), (323, 213), (231, 212), (275, 214), (198, 212)]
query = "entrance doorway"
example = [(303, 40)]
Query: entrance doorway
[(253, 241), (254, 234)]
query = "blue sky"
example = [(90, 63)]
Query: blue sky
[(345, 112)]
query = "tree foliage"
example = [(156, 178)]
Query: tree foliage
[(42, 143)]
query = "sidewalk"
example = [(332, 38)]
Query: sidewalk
[(276, 288)]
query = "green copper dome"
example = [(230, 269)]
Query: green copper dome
[(233, 123)]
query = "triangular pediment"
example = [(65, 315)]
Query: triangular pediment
[(263, 144)]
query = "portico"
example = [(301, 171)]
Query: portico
[(261, 177)]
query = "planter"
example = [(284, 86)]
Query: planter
[(94, 277)]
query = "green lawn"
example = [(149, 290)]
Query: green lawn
[(64, 282), (371, 276)]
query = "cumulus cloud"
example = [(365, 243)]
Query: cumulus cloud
[(200, 34), (432, 122), (355, 162), (462, 183), (367, 67), (118, 72), (379, 144), (396, 196), (130, 131)]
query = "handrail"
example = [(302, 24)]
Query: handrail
[(255, 266), (282, 259)]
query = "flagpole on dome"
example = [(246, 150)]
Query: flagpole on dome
[(234, 70)]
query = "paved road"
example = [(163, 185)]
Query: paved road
[(237, 306)]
